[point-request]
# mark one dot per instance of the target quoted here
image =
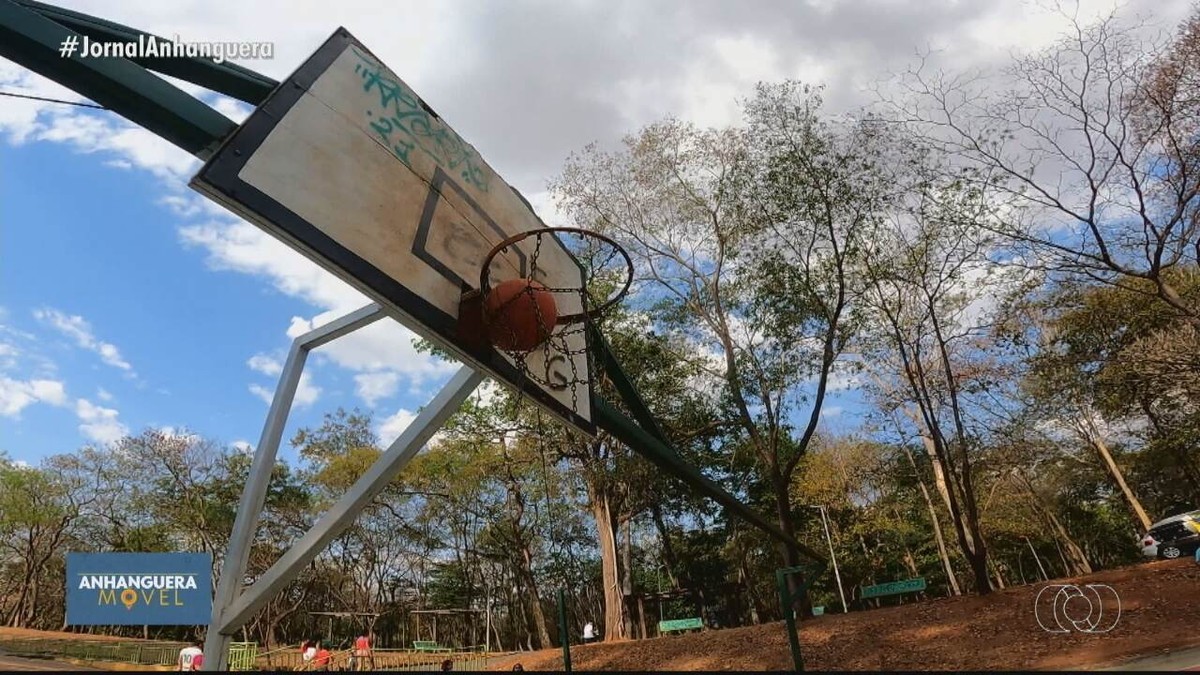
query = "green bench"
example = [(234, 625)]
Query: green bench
[(916, 585), (429, 646), (680, 625)]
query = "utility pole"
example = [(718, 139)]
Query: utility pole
[(832, 556)]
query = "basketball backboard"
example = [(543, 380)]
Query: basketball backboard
[(347, 165)]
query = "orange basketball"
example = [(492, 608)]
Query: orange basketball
[(521, 314)]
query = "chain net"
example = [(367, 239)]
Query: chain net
[(561, 358)]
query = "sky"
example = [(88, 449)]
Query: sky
[(128, 301)]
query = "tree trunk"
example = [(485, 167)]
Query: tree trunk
[(1094, 438), (744, 579), (626, 578), (1074, 558), (664, 536), (791, 556), (535, 602), (613, 599), (996, 572), (1037, 559), (939, 538)]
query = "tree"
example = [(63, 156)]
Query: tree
[(38, 507), (1092, 143), (928, 273), (745, 239)]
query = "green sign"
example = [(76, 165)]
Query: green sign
[(894, 588), (679, 624)]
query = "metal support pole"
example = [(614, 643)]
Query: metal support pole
[(216, 644), (342, 514), (564, 636), (833, 557)]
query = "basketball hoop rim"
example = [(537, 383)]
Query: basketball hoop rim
[(485, 287)]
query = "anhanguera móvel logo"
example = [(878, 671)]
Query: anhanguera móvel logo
[(139, 589), (131, 589)]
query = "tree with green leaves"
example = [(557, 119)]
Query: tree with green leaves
[(745, 242)]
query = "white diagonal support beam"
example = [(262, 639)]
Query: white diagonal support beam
[(342, 514), (216, 644)]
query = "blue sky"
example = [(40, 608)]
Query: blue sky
[(113, 321), (128, 301)]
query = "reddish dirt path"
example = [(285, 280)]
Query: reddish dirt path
[(25, 633), (1160, 609)]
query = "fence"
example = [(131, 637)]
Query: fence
[(145, 654), (242, 655), (402, 660)]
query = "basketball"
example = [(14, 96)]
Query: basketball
[(521, 315)]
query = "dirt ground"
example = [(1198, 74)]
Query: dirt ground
[(25, 633), (1159, 611)]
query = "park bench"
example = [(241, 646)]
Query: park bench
[(916, 585), (429, 646), (680, 625)]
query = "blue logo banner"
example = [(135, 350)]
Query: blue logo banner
[(136, 589)]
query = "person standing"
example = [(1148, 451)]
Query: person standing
[(362, 652), (321, 662), (191, 657), (589, 632)]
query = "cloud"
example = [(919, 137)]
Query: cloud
[(99, 424), (265, 365), (382, 346), (16, 395), (8, 356), (244, 447), (307, 393), (103, 395), (391, 428), (241, 247), (78, 329), (371, 387)]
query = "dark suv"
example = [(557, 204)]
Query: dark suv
[(1172, 537)]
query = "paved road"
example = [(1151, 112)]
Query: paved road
[(1179, 660), (15, 663)]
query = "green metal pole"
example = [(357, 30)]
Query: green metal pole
[(787, 602), (562, 630)]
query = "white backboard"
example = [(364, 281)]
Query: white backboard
[(346, 164)]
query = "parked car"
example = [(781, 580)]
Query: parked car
[(1171, 537)]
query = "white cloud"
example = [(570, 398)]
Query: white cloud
[(391, 428), (265, 365), (244, 447), (99, 424), (242, 247), (372, 387), (8, 356), (307, 393), (16, 395), (382, 346), (104, 395), (78, 329)]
